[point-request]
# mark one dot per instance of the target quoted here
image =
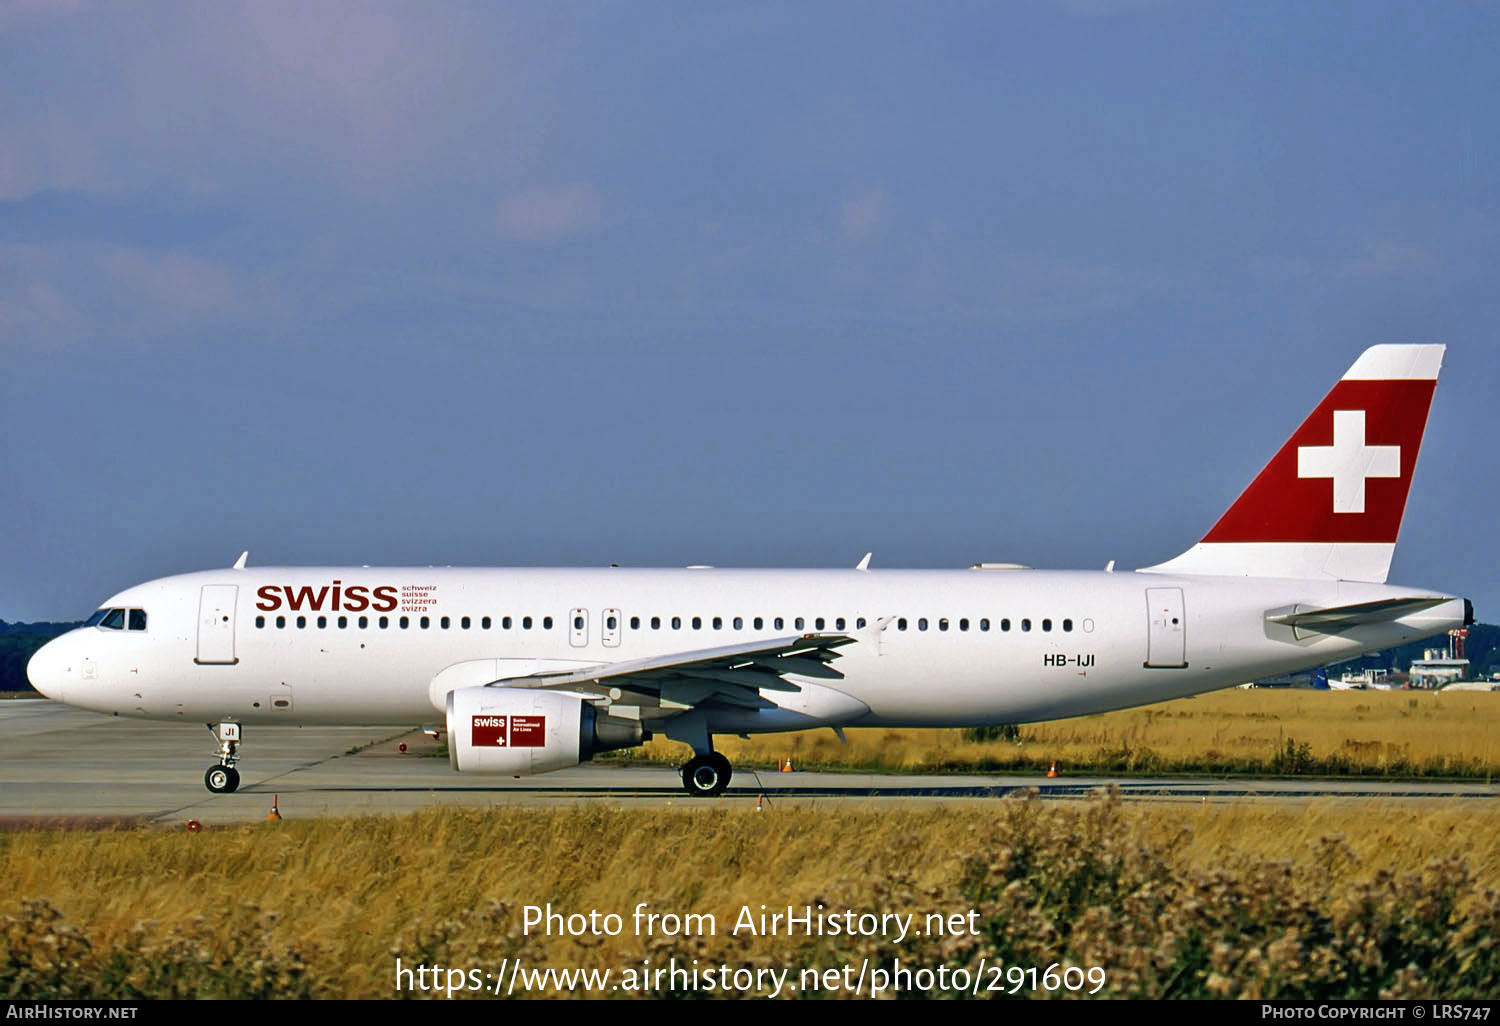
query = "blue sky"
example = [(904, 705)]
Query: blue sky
[(744, 284)]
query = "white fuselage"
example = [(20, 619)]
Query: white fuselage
[(933, 648)]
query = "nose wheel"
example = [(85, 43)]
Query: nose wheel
[(221, 779), (224, 778), (706, 775)]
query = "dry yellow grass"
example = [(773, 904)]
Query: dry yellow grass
[(1401, 733), (348, 892)]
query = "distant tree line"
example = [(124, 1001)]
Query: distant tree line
[(17, 642), (1481, 648)]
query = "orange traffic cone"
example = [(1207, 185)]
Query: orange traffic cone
[(786, 767), (275, 813), (1053, 771)]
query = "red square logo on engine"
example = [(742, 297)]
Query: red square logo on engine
[(488, 732), (528, 731)]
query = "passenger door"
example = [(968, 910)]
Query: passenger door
[(216, 624), (1166, 643)]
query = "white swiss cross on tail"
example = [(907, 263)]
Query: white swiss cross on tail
[(1349, 461), (1360, 445)]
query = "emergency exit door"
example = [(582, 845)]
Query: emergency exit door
[(610, 622), (216, 624), (1166, 644)]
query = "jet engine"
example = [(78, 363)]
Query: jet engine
[(521, 731)]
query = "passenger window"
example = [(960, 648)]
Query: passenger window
[(901, 624), (322, 623), (546, 623), (260, 621), (525, 623), (1067, 625), (922, 624), (818, 623), (759, 623), (799, 623), (1047, 624), (405, 622), (301, 623), (1025, 624), (463, 623), (984, 624), (943, 624), (364, 623), (859, 623), (718, 623), (343, 623), (963, 624), (677, 623), (611, 622), (1005, 624), (280, 623), (779, 622), (137, 619), (656, 623), (425, 623), (635, 623), (385, 621), (578, 623), (505, 623), (697, 623), (838, 624), (484, 623), (115, 621), (739, 623), (443, 623)]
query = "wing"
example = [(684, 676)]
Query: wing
[(732, 675)]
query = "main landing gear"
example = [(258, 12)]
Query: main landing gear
[(224, 778), (706, 775)]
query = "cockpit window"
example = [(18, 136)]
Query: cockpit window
[(114, 620), (137, 619), (93, 621)]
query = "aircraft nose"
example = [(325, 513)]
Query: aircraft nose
[(48, 669)]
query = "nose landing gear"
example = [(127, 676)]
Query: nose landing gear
[(224, 778)]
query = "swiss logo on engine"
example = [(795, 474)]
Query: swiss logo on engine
[(488, 732), (528, 731)]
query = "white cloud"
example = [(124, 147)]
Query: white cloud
[(59, 295), (22, 14), (1376, 260), (1107, 8), (547, 213), (36, 313), (176, 286), (1388, 259), (862, 214), (371, 96)]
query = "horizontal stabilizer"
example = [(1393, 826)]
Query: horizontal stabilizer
[(1332, 619)]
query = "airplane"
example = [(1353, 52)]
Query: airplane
[(535, 670)]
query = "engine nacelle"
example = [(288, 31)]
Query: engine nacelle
[(522, 731)]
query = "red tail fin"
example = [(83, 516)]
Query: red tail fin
[(1329, 504)]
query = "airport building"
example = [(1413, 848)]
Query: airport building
[(1437, 669)]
